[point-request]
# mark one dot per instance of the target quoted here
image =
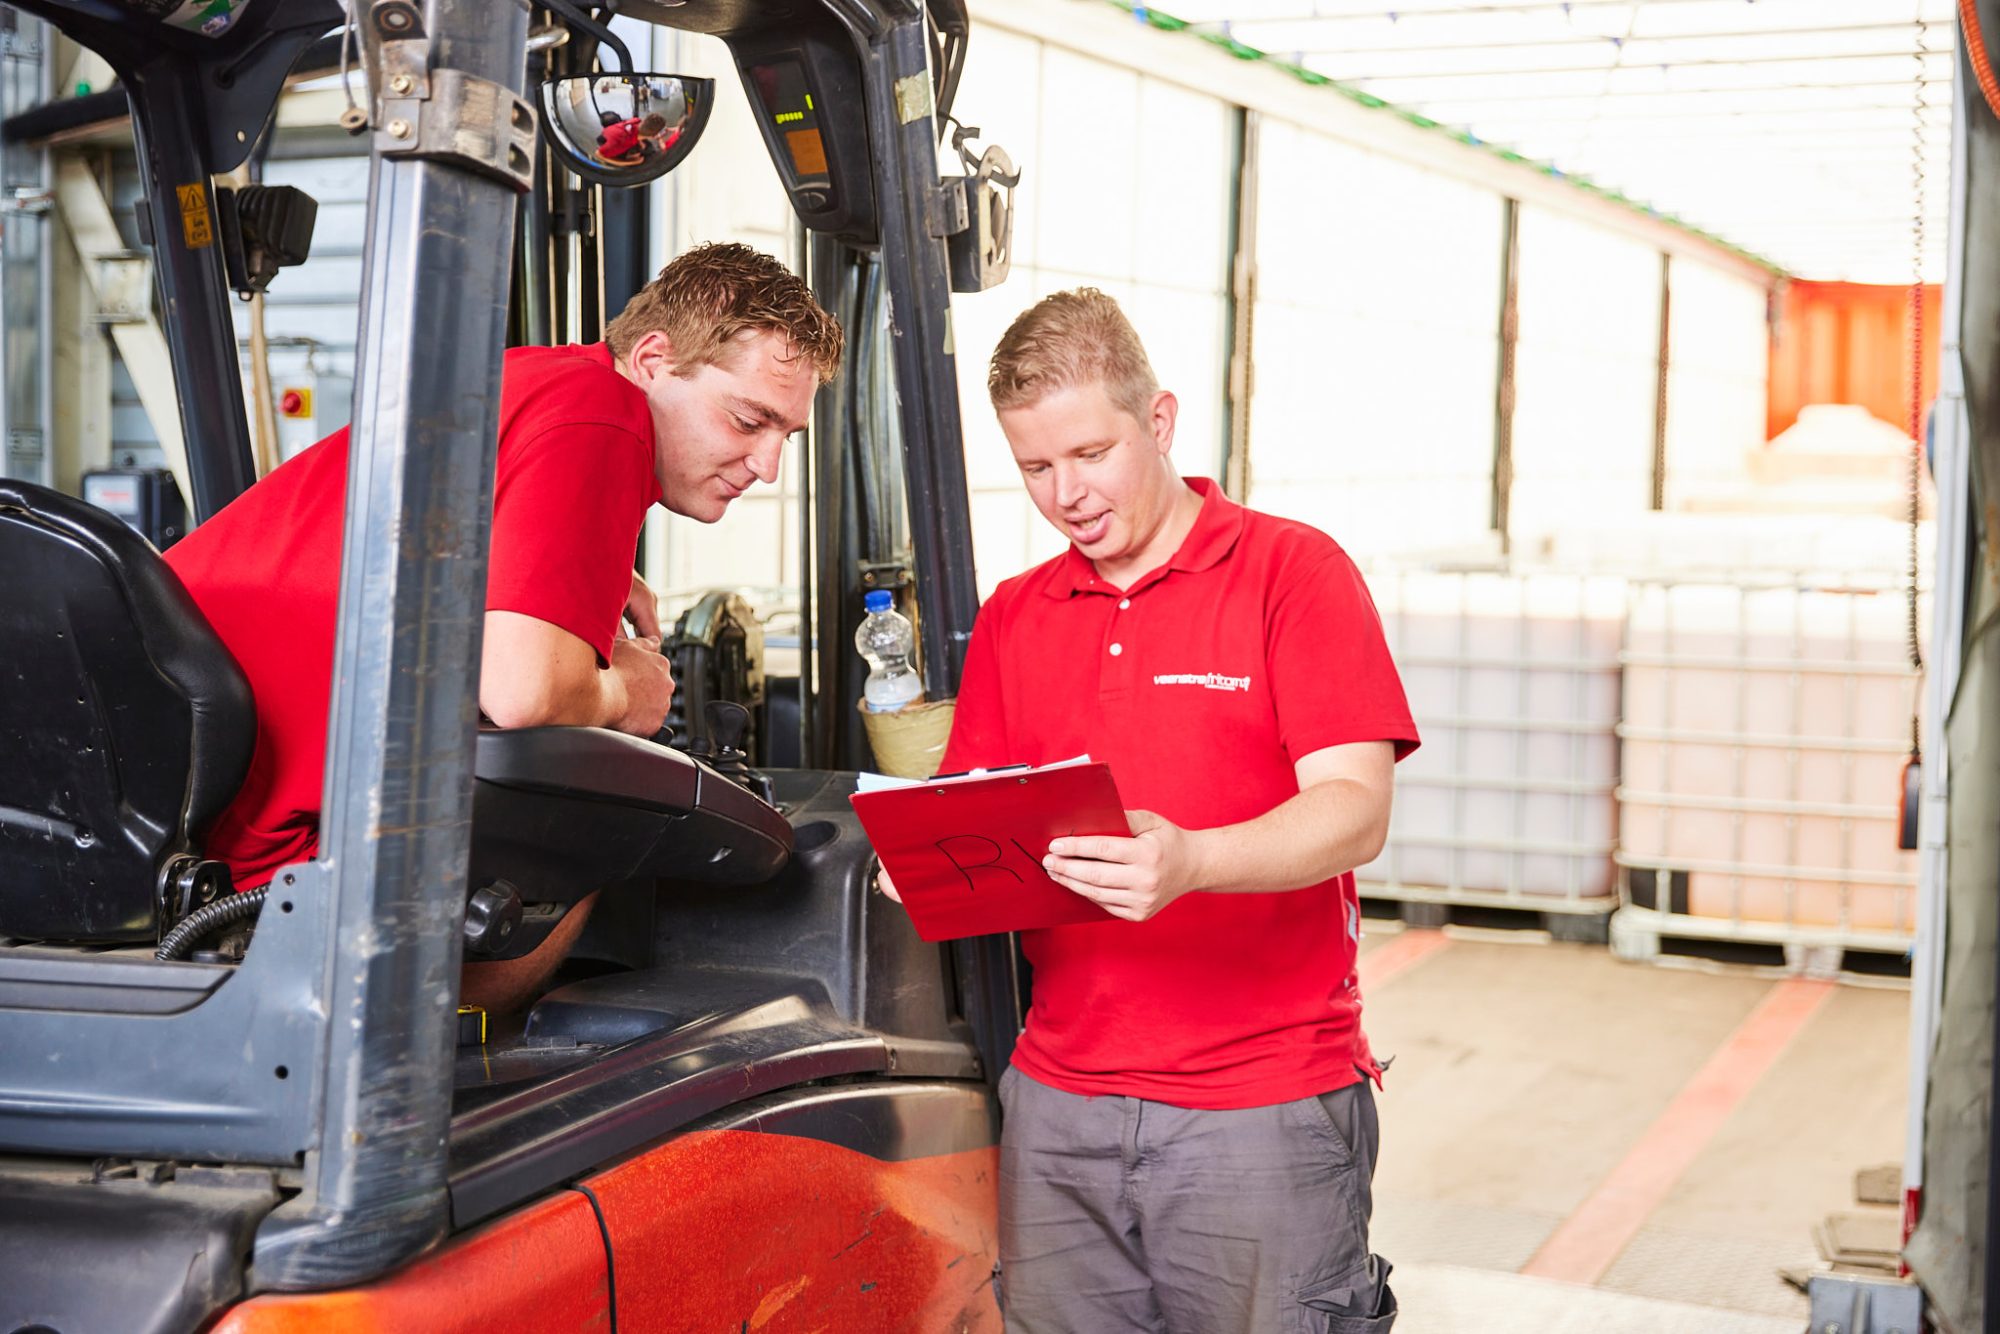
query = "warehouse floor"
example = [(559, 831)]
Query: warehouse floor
[(1567, 1137)]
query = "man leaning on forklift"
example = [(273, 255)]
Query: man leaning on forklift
[(687, 402), (1189, 1131)]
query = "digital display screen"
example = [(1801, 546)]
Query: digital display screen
[(808, 151), (788, 102)]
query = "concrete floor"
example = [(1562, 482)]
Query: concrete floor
[(1526, 1072)]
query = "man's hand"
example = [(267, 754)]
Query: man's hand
[(886, 885), (642, 608), (648, 683), (1134, 877)]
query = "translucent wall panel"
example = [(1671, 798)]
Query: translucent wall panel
[(1127, 187), (1586, 375), (26, 79), (1375, 346), (727, 190), (1718, 365), (310, 311), (313, 308)]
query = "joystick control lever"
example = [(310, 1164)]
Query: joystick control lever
[(728, 723)]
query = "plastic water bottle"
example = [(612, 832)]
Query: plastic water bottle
[(887, 639)]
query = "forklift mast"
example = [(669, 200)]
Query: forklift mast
[(317, 1075)]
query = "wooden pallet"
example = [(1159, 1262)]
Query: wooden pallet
[(1644, 935), (1585, 921)]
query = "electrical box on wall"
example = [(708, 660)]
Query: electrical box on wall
[(145, 498), (311, 406)]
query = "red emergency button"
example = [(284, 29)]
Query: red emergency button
[(296, 403)]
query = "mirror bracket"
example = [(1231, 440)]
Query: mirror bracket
[(946, 212), (980, 246), (459, 118)]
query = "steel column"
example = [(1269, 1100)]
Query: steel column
[(171, 131), (398, 796), (926, 367)]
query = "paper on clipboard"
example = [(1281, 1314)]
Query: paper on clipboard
[(873, 782), (966, 850)]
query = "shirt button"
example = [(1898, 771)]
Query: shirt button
[(1125, 604), (1117, 649)]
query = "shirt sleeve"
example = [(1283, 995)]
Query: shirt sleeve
[(567, 507), (979, 723), (1332, 680)]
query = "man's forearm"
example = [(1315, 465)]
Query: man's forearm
[(593, 701), (596, 698), (1331, 827)]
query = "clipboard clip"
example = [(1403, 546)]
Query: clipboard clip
[(980, 773)]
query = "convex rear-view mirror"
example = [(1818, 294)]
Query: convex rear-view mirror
[(625, 129)]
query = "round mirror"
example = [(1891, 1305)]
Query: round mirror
[(625, 129)]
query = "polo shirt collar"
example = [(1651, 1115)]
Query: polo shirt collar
[(1217, 525)]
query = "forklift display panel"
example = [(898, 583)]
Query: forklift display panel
[(805, 95), (788, 102)]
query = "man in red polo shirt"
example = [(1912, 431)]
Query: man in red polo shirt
[(1190, 1131), (686, 403)]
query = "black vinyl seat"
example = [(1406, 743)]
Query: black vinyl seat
[(125, 725)]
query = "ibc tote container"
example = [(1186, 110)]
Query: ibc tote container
[(1765, 733), (1514, 683)]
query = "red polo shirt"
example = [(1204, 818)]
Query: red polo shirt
[(1201, 685), (573, 482)]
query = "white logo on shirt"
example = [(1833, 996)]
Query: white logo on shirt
[(1206, 680)]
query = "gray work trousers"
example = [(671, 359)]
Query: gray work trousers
[(1118, 1214)]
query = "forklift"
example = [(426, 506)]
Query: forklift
[(751, 1098)]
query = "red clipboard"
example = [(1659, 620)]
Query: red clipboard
[(966, 852)]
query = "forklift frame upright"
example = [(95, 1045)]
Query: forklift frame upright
[(325, 1056)]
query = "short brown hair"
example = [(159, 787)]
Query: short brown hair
[(1072, 338), (704, 299)]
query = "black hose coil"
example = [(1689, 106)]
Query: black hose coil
[(202, 921)]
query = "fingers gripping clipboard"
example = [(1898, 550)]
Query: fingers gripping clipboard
[(966, 851)]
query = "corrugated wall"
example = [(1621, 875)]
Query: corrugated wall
[(1375, 331), (1127, 188)]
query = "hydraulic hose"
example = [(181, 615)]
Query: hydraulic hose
[(201, 921)]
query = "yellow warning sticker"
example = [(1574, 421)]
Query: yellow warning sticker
[(197, 227)]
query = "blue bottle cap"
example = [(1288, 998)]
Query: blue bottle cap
[(878, 599)]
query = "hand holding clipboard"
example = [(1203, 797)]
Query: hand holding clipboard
[(966, 851)]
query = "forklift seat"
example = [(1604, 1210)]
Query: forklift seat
[(125, 728)]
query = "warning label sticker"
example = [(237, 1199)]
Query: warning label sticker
[(197, 227)]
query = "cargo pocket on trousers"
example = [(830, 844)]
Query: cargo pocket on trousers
[(1317, 1118), (1356, 1303)]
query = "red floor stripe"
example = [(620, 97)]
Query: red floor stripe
[(1391, 957), (1584, 1247)]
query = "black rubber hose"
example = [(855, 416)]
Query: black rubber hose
[(216, 915)]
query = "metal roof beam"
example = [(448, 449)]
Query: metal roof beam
[(1413, 10), (1246, 30), (1642, 67), (1876, 112), (1499, 98)]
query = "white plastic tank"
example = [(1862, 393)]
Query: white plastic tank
[(1764, 738), (1514, 683)]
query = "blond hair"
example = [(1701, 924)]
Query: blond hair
[(1069, 339), (706, 298)]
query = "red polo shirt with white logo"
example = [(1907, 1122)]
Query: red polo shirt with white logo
[(573, 481), (1201, 686)]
